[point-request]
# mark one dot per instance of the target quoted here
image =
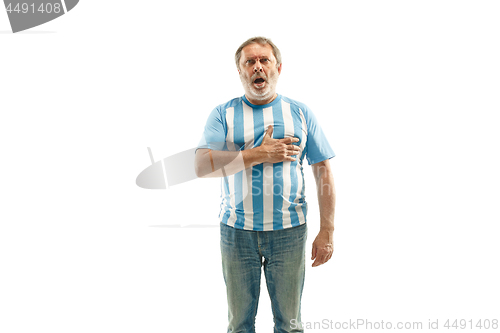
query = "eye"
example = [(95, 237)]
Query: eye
[(265, 60), (250, 61)]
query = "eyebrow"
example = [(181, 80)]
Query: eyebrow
[(256, 57)]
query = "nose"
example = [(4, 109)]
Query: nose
[(257, 67)]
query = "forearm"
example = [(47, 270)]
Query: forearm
[(216, 163), (326, 199)]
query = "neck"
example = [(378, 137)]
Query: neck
[(261, 102)]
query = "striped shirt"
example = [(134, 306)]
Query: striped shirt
[(267, 196)]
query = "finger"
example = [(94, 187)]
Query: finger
[(328, 256), (293, 151), (292, 148), (269, 131), (322, 255), (290, 140), (314, 250), (317, 262)]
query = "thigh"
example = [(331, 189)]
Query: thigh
[(285, 254), (284, 269), (240, 252), (241, 265)]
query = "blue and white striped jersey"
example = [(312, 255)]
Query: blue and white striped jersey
[(268, 196)]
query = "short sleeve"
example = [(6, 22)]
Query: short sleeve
[(214, 135), (317, 147)]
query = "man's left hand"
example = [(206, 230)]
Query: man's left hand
[(322, 248)]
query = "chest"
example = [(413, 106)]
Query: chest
[(246, 126)]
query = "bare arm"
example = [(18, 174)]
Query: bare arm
[(215, 163), (323, 244)]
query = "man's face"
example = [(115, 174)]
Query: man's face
[(258, 73)]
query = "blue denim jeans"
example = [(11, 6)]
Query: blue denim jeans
[(282, 254)]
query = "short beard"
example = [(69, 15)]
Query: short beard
[(260, 94)]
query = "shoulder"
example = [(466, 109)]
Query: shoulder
[(298, 105), (219, 112), (232, 103)]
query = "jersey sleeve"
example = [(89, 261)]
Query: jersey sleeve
[(317, 147), (214, 135)]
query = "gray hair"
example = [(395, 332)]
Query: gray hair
[(261, 41)]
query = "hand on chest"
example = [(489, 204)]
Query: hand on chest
[(247, 129)]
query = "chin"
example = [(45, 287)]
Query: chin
[(261, 95), (261, 98)]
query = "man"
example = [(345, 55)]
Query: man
[(257, 143)]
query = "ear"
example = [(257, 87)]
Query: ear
[(279, 68)]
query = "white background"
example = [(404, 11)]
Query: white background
[(407, 93)]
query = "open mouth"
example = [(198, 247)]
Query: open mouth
[(259, 81)]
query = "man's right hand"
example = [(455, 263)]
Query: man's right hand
[(278, 150), (225, 163)]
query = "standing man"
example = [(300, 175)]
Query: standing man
[(257, 142)]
